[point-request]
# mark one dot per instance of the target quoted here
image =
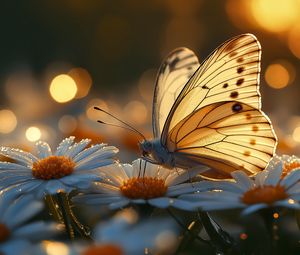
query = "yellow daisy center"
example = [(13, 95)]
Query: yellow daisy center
[(266, 194), (144, 188), (4, 233), (53, 167), (107, 249), (288, 167)]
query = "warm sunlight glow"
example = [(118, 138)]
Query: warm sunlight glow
[(33, 134), (83, 81), (277, 76), (54, 248), (8, 121), (136, 112), (67, 124), (63, 88), (293, 41), (275, 15), (93, 114), (296, 134)]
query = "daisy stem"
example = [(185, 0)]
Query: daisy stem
[(220, 239), (75, 223), (271, 227), (192, 233), (53, 208), (63, 204)]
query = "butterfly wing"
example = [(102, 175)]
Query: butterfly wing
[(173, 74), (204, 128), (230, 73), (226, 136)]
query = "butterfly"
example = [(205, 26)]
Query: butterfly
[(210, 113)]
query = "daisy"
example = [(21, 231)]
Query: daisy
[(289, 163), (140, 183), (70, 167), (269, 188), (121, 235), (15, 237)]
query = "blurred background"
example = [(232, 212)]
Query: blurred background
[(59, 59)]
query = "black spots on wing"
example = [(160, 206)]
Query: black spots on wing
[(189, 67), (233, 54), (173, 63), (247, 153), (237, 107), (252, 141), (248, 116), (231, 45), (255, 128), (225, 85), (205, 87), (240, 81), (240, 60), (234, 94), (240, 69)]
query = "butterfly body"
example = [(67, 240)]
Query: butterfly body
[(210, 113), (154, 152)]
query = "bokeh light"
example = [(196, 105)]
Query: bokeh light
[(135, 112), (33, 134), (63, 88), (93, 114), (275, 15), (8, 121), (67, 124), (293, 41), (279, 75), (54, 248), (83, 81), (296, 134)]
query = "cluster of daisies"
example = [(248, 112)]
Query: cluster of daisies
[(78, 174)]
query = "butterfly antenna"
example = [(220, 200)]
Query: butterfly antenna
[(127, 126)]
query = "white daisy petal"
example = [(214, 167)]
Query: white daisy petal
[(291, 178), (16, 246), (13, 217), (22, 157), (64, 146), (184, 176), (295, 189), (120, 204), (128, 170), (54, 186), (260, 178), (77, 147), (273, 176), (100, 187), (253, 208), (165, 202), (185, 188), (88, 152), (93, 199), (12, 166), (287, 203), (218, 205), (243, 180), (43, 149), (36, 231), (295, 196)]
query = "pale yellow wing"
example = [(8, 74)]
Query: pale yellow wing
[(230, 73), (173, 74), (226, 136)]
